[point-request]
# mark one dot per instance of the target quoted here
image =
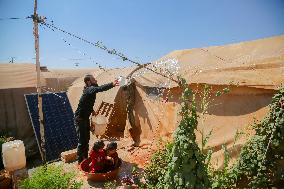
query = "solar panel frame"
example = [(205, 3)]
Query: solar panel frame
[(59, 130)]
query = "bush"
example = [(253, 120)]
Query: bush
[(187, 164), (158, 163), (258, 159), (50, 177), (109, 185)]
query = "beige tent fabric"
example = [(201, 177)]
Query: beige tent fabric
[(16, 80), (61, 79), (113, 96), (251, 70), (228, 114), (17, 76), (116, 96), (75, 91), (103, 77), (14, 116), (258, 63), (107, 77), (256, 66)]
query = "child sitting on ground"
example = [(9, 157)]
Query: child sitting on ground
[(111, 152), (98, 157)]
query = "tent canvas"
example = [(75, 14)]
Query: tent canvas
[(252, 70), (115, 96), (18, 79), (252, 83)]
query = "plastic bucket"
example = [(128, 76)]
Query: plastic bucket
[(122, 80), (14, 156), (99, 124)]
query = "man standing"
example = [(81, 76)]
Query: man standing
[(83, 112)]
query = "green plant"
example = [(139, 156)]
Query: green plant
[(158, 164), (222, 179), (258, 159), (224, 91), (134, 170), (219, 178), (51, 177), (206, 100), (204, 140), (186, 168), (147, 186), (238, 136), (110, 185)]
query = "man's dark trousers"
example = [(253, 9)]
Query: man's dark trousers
[(83, 132)]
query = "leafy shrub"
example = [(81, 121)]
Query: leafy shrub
[(224, 178), (158, 164), (186, 168), (51, 177), (109, 185), (258, 159)]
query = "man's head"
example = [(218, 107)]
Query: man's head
[(90, 80)]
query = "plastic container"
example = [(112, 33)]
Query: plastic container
[(100, 124), (122, 80), (14, 156), (99, 177)]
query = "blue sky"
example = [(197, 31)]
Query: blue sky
[(144, 30)]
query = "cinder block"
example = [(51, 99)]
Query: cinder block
[(69, 156)]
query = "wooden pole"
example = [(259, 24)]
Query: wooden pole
[(41, 121)]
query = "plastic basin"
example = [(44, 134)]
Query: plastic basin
[(98, 177)]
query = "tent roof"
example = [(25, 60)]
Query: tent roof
[(63, 73), (258, 63), (24, 75), (75, 91), (107, 77), (17, 75)]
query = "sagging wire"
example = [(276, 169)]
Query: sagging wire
[(100, 45), (78, 51), (13, 18)]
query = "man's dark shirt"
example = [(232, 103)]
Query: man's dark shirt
[(88, 98)]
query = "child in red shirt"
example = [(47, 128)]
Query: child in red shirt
[(98, 157), (111, 152)]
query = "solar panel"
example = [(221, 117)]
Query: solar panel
[(59, 129)]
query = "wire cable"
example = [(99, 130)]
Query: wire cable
[(12, 18), (79, 51), (99, 45)]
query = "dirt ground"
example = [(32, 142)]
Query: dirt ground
[(130, 156)]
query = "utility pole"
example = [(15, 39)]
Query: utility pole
[(12, 60), (36, 20)]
